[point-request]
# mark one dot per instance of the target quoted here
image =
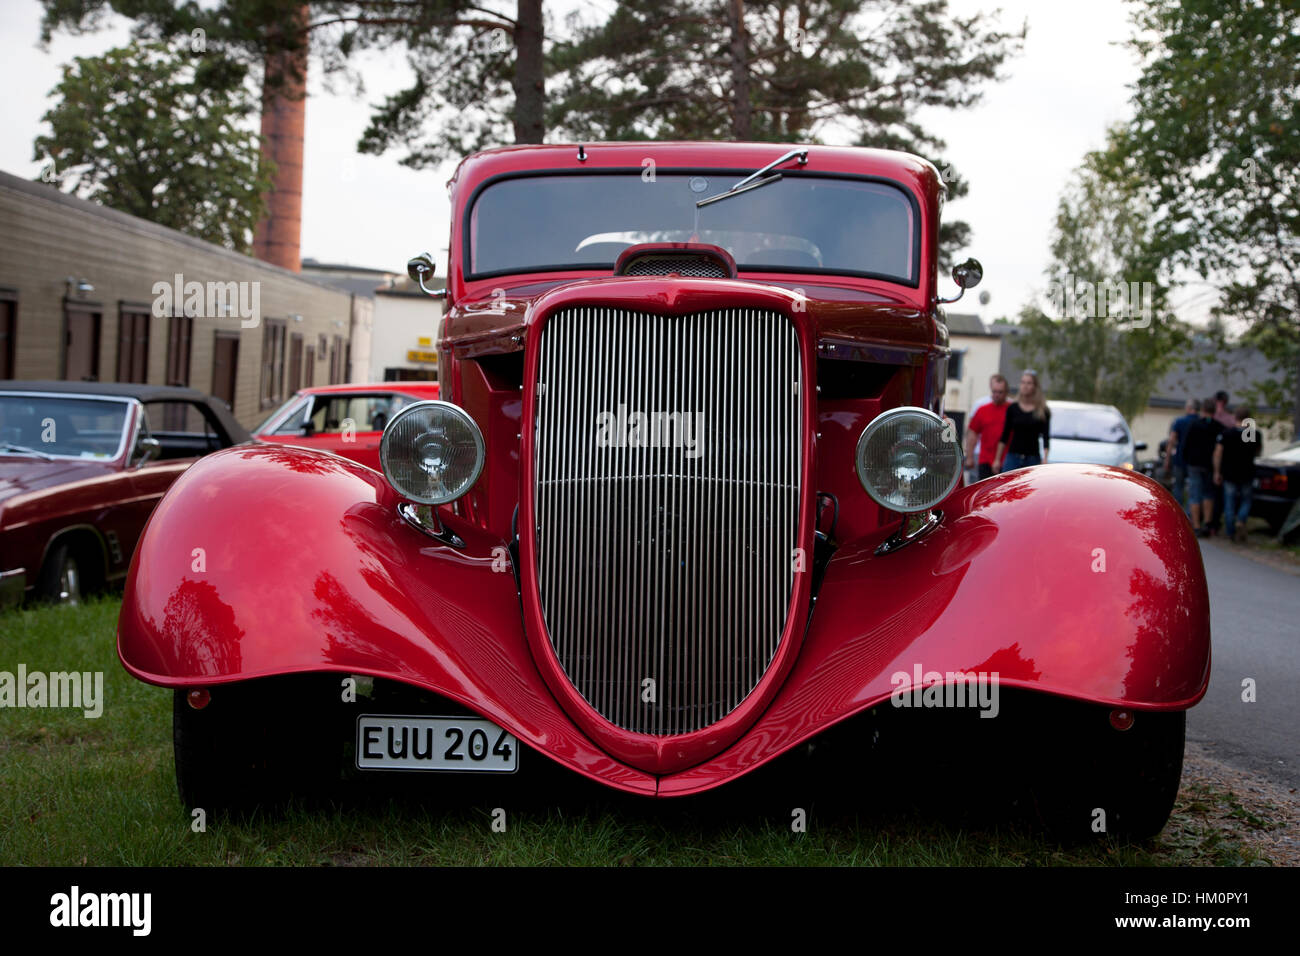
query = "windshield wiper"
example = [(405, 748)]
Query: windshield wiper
[(24, 450), (754, 179)]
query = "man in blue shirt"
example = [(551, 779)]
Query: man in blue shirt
[(1174, 452)]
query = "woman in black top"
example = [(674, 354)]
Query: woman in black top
[(1027, 420)]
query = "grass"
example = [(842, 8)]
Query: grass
[(75, 791)]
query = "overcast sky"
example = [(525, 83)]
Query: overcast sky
[(1017, 147)]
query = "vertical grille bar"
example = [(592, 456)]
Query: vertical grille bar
[(667, 467)]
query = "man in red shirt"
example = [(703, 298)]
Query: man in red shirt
[(986, 427)]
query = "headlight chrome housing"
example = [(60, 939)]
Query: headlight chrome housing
[(908, 459), (432, 452)]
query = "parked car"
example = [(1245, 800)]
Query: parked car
[(82, 465), (344, 419), (1277, 486), (1092, 433), (687, 502)]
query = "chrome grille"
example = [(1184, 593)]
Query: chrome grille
[(667, 555)]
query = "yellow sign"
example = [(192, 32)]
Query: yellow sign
[(421, 355), (425, 341)]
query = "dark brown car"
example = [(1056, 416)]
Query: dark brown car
[(82, 465)]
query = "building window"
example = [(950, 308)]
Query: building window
[(295, 362), (309, 368), (273, 352), (337, 372), (81, 328), (132, 344), (180, 332), (956, 363), (8, 329)]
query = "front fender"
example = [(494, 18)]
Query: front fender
[(1076, 580), (266, 559)]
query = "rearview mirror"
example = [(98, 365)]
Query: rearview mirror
[(148, 449), (968, 274), (421, 268)]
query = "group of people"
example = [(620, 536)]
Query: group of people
[(1210, 455), (1008, 433)]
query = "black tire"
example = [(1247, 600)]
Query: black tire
[(64, 576), (256, 744), (1097, 782)]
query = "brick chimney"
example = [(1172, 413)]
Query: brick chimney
[(277, 238)]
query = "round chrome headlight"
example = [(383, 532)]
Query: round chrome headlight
[(431, 452), (908, 459)]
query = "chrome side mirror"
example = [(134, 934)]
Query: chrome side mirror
[(148, 449), (420, 268), (967, 275)]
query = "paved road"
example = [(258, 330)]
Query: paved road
[(1255, 623)]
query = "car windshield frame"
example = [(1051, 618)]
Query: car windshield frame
[(913, 281), (126, 437)]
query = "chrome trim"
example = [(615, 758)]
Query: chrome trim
[(915, 525), (652, 563), (424, 519)]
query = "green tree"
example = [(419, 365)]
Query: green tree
[(779, 71), (478, 68), (1216, 138), (160, 135), (1106, 334)]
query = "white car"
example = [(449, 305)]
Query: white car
[(1093, 434)]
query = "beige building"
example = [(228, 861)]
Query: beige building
[(403, 328), (90, 293), (976, 354)]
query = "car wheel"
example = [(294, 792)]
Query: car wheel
[(1099, 781), (254, 744), (62, 579)]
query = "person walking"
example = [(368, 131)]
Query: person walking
[(1198, 453), (1234, 469), (986, 427), (1028, 420), (1174, 461), (1223, 415)]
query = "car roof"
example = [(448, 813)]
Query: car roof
[(139, 391), (372, 387), (1062, 403), (145, 393)]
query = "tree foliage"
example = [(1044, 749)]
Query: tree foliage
[(1216, 140), (799, 71), (162, 135), (1094, 340)]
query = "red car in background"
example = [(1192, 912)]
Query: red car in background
[(347, 420)]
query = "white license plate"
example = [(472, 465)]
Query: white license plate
[(462, 744)]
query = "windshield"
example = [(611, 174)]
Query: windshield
[(1089, 424), (63, 427), (797, 224)]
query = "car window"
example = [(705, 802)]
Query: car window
[(332, 414), (292, 424), (178, 416), (68, 427), (1088, 424)]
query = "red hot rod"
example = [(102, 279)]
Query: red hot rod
[(689, 500)]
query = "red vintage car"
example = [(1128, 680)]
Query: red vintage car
[(344, 419), (688, 502), (82, 465)]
